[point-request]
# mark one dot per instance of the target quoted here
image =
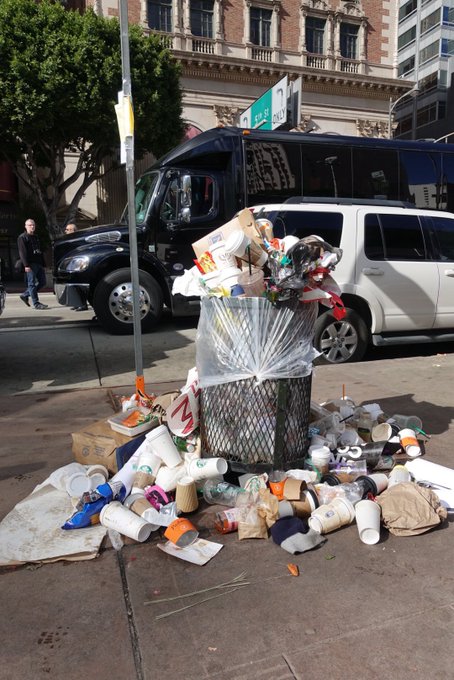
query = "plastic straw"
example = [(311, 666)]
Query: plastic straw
[(249, 259), (418, 429)]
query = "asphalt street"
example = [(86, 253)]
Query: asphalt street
[(59, 349)]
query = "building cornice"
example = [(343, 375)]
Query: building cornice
[(267, 74)]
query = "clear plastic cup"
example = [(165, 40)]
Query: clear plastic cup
[(253, 284)]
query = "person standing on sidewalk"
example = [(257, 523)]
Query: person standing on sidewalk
[(71, 228), (32, 258)]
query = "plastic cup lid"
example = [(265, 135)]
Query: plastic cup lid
[(78, 484), (156, 432), (237, 243)]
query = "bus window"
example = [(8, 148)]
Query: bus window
[(273, 171), (375, 174), (447, 188), (421, 173), (327, 171)]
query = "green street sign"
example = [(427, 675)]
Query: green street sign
[(270, 110)]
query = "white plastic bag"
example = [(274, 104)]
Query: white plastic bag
[(240, 338)]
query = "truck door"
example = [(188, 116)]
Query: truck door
[(191, 205)]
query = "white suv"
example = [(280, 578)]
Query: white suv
[(396, 273)]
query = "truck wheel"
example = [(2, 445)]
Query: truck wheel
[(340, 341), (112, 302)]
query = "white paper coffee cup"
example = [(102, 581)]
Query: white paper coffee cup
[(115, 516), (207, 468), (320, 457), (167, 478), (162, 445), (368, 521)]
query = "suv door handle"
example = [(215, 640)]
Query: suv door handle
[(372, 271), (449, 272)]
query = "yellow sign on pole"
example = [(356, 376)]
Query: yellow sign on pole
[(125, 120)]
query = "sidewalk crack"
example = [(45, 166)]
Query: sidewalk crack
[(131, 623)]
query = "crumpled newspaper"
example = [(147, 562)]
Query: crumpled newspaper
[(409, 509)]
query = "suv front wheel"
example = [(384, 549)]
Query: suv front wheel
[(340, 341)]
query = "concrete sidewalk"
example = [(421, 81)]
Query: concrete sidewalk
[(355, 611)]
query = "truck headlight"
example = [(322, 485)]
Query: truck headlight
[(74, 264)]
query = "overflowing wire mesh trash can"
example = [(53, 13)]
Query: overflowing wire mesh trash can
[(254, 361)]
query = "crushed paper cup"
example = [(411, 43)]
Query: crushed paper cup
[(181, 532)]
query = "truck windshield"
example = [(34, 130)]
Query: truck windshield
[(145, 187)]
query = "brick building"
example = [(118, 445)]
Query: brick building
[(231, 52)]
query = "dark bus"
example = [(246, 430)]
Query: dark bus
[(202, 183)]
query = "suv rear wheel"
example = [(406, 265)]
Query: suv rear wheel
[(340, 341), (112, 302)]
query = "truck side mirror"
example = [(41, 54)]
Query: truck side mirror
[(186, 192)]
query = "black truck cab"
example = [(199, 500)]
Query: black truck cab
[(201, 184)]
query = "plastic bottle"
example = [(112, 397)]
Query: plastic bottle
[(226, 521), (353, 491), (216, 491)]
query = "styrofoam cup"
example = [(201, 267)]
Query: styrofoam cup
[(228, 277), (167, 478), (161, 443), (207, 468), (368, 521), (115, 516), (211, 279), (320, 457), (222, 258)]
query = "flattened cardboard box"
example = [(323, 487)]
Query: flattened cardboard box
[(243, 221), (97, 444)]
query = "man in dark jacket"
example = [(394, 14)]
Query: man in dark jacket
[(33, 261)]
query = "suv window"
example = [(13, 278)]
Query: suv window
[(393, 237), (444, 231), (301, 223)]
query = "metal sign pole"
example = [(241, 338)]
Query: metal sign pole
[(129, 146)]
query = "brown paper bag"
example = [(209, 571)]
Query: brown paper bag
[(97, 444), (251, 524), (409, 509)]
